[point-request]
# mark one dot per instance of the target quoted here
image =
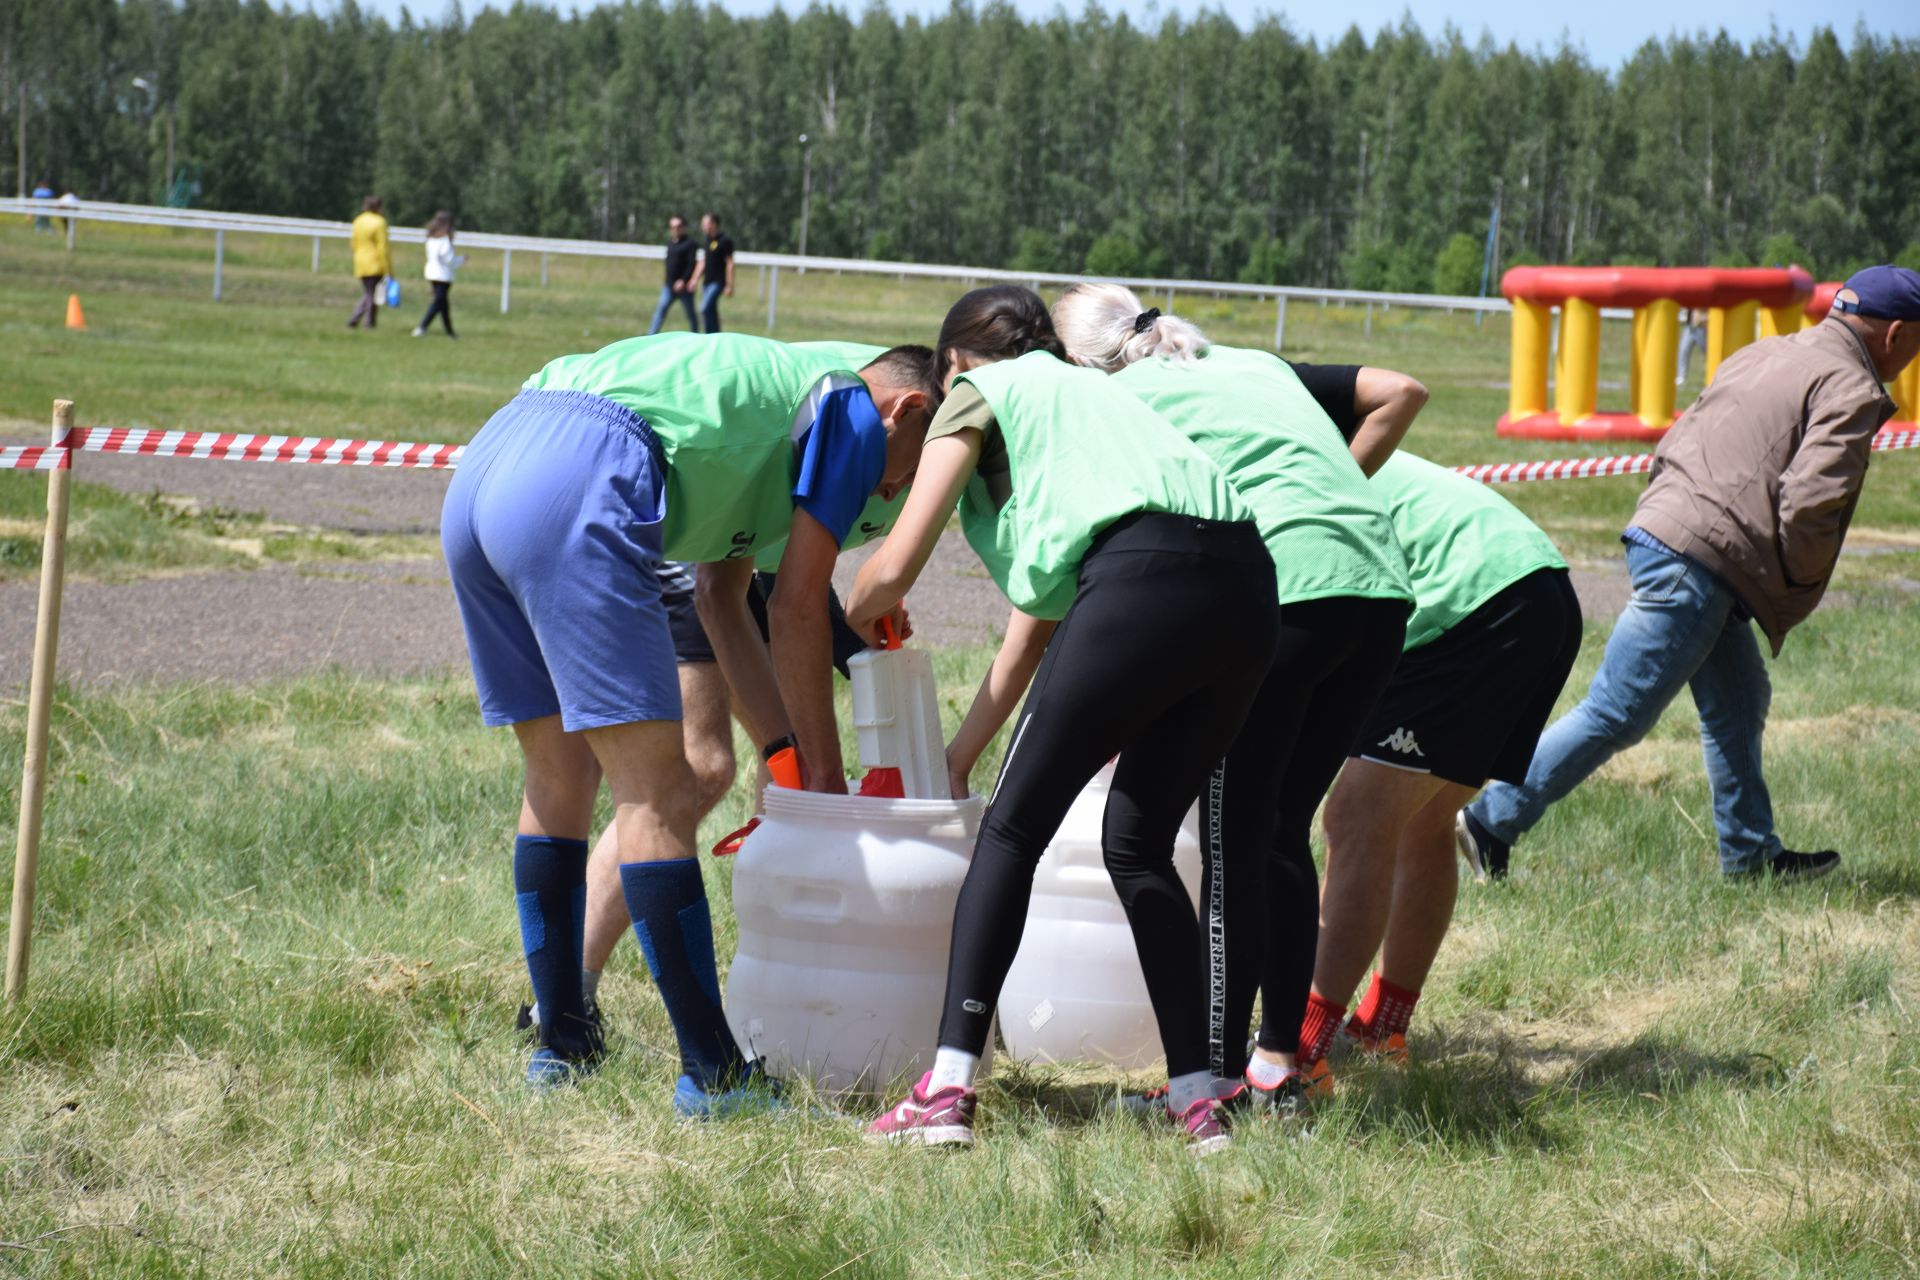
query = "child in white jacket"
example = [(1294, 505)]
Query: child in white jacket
[(442, 262)]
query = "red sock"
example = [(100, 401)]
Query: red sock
[(1318, 1027), (1385, 1011)]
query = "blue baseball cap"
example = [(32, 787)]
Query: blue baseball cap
[(1881, 293)]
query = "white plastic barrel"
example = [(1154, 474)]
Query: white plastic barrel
[(1075, 992), (845, 906)]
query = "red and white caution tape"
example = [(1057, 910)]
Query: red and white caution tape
[(35, 457), (440, 457), (1625, 464), (232, 448)]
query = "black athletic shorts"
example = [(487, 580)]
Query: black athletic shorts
[(1470, 705), (690, 643)]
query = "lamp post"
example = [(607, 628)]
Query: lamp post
[(153, 102), (806, 194)]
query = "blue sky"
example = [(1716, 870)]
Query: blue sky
[(1609, 32)]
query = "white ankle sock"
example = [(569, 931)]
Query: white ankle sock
[(1184, 1091), (1267, 1074), (951, 1069)]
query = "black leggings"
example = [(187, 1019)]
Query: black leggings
[(1334, 659), (1128, 672), (439, 307)]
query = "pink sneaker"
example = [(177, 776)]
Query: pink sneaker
[(1205, 1123), (942, 1119)]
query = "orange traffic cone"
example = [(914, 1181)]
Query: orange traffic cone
[(76, 318)]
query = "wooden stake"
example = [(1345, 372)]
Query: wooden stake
[(46, 640)]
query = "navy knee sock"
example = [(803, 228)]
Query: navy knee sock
[(668, 904), (550, 889)]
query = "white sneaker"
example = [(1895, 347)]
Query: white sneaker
[(419, 333)]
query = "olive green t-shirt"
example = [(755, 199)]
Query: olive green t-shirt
[(1464, 543), (1327, 530)]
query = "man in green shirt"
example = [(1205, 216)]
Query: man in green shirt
[(677, 447)]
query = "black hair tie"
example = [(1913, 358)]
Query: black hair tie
[(1144, 321)]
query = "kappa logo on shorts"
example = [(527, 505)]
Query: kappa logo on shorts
[(742, 544), (1402, 741)]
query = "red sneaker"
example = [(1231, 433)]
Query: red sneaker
[(940, 1119)]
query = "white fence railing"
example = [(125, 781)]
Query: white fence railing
[(265, 224)]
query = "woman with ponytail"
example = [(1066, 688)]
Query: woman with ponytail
[(1344, 596), (1112, 535)]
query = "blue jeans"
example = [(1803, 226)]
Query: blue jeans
[(710, 307), (667, 299), (1681, 627)]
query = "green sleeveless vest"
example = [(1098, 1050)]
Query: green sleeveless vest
[(721, 406), (1328, 532), (1081, 453)]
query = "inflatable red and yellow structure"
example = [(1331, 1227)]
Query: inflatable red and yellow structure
[(1740, 305)]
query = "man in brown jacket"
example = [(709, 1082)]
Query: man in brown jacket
[(1749, 502)]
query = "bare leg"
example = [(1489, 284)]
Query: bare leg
[(562, 778), (1426, 880), (654, 816), (709, 749), (1367, 813)]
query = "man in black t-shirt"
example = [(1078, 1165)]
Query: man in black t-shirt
[(715, 273), (679, 283)]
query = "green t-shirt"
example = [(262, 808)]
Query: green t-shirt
[(1070, 453), (722, 406), (857, 355), (1465, 543), (879, 514), (1327, 530)]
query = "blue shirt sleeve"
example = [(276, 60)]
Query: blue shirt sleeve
[(842, 459)]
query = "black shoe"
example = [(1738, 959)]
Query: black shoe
[(1484, 852), (1789, 865)]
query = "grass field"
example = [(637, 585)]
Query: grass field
[(275, 967)]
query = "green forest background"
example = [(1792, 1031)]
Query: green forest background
[(1195, 149)]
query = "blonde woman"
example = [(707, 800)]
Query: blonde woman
[(1494, 630), (1344, 597)]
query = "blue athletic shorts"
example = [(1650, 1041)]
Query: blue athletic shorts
[(552, 533)]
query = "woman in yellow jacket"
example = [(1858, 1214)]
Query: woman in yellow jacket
[(371, 261)]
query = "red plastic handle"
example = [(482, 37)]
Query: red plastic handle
[(888, 638)]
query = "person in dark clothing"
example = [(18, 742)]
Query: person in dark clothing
[(714, 275), (678, 287)]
